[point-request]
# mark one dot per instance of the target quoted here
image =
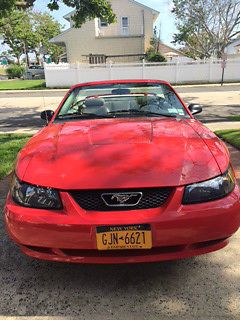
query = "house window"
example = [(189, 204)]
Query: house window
[(97, 58), (102, 23), (125, 26)]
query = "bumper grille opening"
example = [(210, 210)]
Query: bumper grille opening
[(153, 251), (68, 253), (40, 249), (122, 253), (91, 200), (209, 243)]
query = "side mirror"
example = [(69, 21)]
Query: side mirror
[(47, 115), (195, 108)]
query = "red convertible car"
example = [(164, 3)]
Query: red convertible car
[(122, 173)]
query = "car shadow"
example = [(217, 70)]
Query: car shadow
[(223, 113), (205, 287), (215, 113), (23, 118)]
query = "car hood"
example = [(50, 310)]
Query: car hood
[(118, 153)]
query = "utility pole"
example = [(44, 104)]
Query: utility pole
[(159, 38), (223, 65)]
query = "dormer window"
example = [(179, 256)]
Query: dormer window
[(102, 23), (125, 26)]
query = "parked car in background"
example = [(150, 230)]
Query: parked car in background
[(122, 173), (34, 72)]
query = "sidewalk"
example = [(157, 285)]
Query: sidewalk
[(18, 130), (180, 88), (2, 92), (214, 126)]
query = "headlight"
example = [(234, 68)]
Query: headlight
[(210, 190), (31, 196)]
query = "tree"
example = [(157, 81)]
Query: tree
[(55, 51), (155, 57), (46, 27), (17, 32), (206, 27), (153, 53), (28, 31), (84, 9)]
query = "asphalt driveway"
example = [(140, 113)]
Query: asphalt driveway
[(203, 288)]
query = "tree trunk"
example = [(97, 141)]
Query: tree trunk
[(18, 60), (26, 54), (37, 57), (27, 59)]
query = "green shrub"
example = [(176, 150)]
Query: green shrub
[(14, 71), (155, 57)]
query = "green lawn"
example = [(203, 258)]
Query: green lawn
[(230, 136), (234, 118), (22, 84), (10, 144)]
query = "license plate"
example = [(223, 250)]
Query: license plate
[(124, 237)]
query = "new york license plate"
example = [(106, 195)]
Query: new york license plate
[(124, 237)]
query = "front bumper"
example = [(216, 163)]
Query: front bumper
[(178, 231)]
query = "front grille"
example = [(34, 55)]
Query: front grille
[(91, 200)]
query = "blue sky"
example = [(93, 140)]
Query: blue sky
[(165, 20)]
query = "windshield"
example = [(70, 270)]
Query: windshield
[(122, 100)]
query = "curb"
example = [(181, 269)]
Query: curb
[(33, 91), (207, 85)]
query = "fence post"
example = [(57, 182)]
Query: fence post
[(76, 66), (177, 71), (210, 69), (110, 70), (143, 69)]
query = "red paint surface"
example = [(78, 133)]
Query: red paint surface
[(123, 153), (117, 153)]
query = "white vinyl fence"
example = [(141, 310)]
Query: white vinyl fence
[(65, 75)]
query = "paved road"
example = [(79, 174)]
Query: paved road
[(20, 110), (202, 288)]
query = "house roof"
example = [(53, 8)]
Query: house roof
[(154, 12), (59, 38), (235, 42), (168, 51)]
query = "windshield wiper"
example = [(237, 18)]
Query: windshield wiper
[(146, 113), (77, 115)]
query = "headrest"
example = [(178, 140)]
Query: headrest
[(121, 91), (94, 102)]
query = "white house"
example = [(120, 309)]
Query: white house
[(96, 41), (233, 49)]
